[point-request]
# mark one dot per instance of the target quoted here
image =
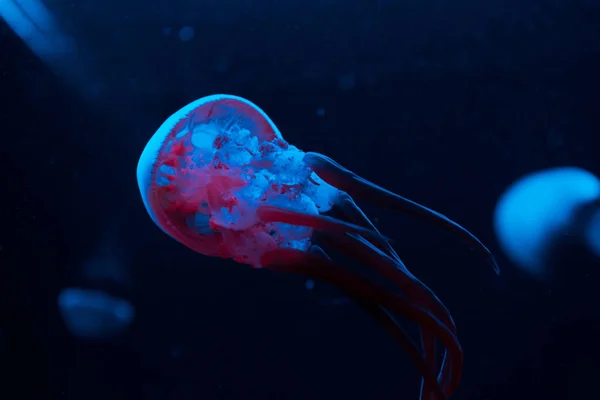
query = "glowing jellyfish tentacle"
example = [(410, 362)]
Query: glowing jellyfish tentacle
[(366, 292), (425, 365), (393, 270), (430, 384), (321, 222), (415, 291), (351, 210), (449, 375), (348, 181), (448, 378), (354, 213), (391, 267)]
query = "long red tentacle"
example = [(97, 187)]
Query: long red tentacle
[(416, 292), (321, 222), (360, 289), (353, 213), (428, 342)]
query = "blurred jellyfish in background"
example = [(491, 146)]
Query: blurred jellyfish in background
[(96, 309), (550, 220), (94, 314)]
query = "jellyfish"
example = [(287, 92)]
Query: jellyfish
[(219, 178), (92, 310), (94, 314), (542, 209)]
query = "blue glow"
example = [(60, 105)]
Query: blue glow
[(34, 24), (309, 284), (186, 33), (95, 315), (592, 233), (535, 207)]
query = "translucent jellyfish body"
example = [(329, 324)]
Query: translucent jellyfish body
[(93, 314), (211, 165), (534, 210)]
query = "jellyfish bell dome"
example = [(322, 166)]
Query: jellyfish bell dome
[(189, 137), (536, 209), (185, 121), (94, 314), (212, 164)]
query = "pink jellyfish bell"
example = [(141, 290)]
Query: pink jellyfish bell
[(218, 177)]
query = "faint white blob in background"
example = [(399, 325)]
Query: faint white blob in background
[(90, 310)]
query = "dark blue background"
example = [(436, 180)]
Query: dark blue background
[(453, 100)]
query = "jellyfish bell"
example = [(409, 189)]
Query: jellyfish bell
[(207, 167), (94, 314), (542, 209), (94, 306)]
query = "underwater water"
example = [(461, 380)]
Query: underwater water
[(227, 199)]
